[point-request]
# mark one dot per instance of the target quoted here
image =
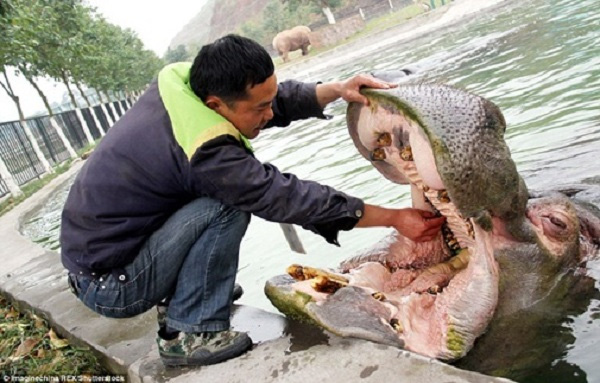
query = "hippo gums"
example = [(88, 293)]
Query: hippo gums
[(291, 40), (502, 252)]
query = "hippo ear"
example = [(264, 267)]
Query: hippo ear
[(393, 76)]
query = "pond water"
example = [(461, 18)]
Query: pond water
[(538, 61)]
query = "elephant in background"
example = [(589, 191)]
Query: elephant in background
[(291, 40)]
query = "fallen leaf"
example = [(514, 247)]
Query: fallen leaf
[(38, 322), (25, 347), (41, 353), (56, 341), (11, 314)]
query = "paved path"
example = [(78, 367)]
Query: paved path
[(284, 351)]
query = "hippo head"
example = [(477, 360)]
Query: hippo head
[(434, 298)]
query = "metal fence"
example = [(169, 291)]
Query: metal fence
[(17, 152), (3, 188)]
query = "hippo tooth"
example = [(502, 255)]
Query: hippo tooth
[(406, 154), (302, 273), (324, 284), (435, 289), (384, 139), (378, 154), (378, 296), (443, 196), (396, 325), (296, 272)]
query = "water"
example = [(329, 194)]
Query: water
[(538, 61)]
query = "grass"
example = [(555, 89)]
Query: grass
[(29, 347)]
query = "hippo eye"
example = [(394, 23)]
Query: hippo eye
[(557, 222)]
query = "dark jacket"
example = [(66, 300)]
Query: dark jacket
[(139, 175)]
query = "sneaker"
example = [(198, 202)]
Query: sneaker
[(204, 348)]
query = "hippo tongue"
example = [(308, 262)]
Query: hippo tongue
[(446, 325)]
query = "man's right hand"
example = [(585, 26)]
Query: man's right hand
[(417, 225)]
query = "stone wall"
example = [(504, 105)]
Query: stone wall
[(332, 34)]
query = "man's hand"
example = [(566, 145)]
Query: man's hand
[(349, 90), (417, 225)]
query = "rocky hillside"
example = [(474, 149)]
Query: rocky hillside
[(220, 17), (217, 18)]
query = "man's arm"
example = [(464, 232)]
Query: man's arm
[(417, 225)]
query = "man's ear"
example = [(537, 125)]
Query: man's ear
[(214, 103)]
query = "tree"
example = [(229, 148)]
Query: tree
[(176, 55), (326, 6)]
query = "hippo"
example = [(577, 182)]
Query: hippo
[(504, 252)]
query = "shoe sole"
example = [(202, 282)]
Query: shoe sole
[(214, 358)]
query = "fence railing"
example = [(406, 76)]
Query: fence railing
[(56, 138)]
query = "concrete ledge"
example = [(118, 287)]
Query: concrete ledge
[(284, 350)]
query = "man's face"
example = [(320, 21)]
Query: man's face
[(251, 114)]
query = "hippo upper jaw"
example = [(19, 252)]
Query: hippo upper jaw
[(454, 141)]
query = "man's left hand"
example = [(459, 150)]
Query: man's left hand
[(350, 91)]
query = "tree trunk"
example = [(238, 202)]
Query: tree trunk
[(53, 122), (100, 100), (40, 93), (9, 91), (329, 15), (87, 100), (36, 148), (65, 79)]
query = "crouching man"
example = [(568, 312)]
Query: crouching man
[(157, 213)]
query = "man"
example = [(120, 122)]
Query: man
[(160, 208)]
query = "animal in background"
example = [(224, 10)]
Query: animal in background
[(291, 40)]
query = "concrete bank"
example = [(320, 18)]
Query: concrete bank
[(284, 351)]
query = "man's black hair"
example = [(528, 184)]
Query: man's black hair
[(228, 66)]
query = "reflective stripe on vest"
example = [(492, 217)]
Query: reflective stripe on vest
[(193, 122)]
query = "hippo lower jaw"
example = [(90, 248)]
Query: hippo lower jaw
[(437, 311)]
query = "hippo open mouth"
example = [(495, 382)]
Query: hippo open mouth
[(434, 298)]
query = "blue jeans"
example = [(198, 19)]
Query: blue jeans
[(191, 261)]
